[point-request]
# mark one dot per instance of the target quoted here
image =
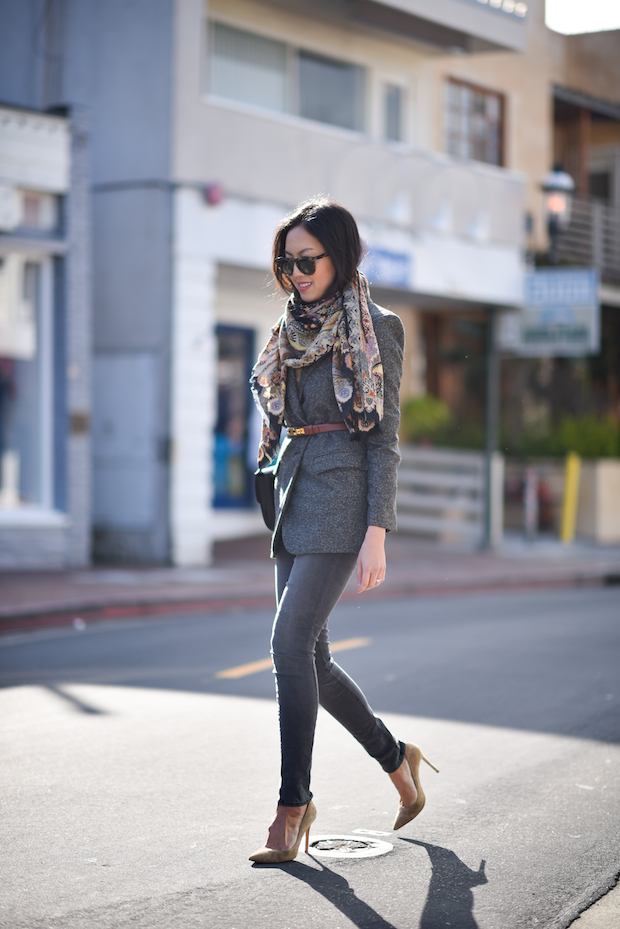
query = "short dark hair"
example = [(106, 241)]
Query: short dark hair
[(336, 230)]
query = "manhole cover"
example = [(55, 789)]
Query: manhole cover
[(348, 846)]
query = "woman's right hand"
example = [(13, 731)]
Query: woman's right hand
[(371, 560)]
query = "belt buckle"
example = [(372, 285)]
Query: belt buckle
[(293, 431)]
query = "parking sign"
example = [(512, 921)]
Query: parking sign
[(560, 315)]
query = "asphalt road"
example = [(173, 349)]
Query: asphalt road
[(135, 780)]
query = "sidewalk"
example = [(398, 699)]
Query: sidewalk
[(242, 576)]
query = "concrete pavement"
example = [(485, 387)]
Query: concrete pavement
[(242, 576), (137, 820), (604, 914)]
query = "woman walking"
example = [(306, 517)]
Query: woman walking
[(329, 377)]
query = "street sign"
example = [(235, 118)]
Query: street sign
[(560, 315)]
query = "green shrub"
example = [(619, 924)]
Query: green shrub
[(424, 418), (588, 436)]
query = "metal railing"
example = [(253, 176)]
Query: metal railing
[(592, 238), (442, 493)]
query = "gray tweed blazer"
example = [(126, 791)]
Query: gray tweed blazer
[(328, 487)]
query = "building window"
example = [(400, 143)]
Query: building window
[(393, 113), (262, 72), (26, 383), (474, 123), (233, 485), (248, 68), (330, 91)]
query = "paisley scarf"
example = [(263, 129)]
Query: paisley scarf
[(304, 334)]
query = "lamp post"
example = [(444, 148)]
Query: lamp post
[(558, 187)]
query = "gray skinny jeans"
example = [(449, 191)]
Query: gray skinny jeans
[(307, 589)]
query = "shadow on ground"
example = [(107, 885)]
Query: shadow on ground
[(449, 902)]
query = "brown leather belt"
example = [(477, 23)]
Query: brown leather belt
[(312, 430)]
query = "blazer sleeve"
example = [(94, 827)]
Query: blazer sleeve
[(382, 451)]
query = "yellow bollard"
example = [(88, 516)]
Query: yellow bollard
[(571, 497)]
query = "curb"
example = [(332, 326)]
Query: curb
[(42, 619)]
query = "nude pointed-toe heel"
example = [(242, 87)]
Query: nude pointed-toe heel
[(266, 855), (405, 814)]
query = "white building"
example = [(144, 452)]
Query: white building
[(44, 341)]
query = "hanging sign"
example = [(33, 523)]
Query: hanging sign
[(560, 315)]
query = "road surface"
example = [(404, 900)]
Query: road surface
[(140, 767)]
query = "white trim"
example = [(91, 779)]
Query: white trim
[(46, 385), (33, 517), (193, 401)]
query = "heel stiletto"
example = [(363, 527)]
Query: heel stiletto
[(405, 814), (277, 856)]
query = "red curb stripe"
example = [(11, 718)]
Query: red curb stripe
[(65, 617)]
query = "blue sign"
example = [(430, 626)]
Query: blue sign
[(388, 269), (560, 316), (565, 287)]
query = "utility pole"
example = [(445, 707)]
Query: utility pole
[(494, 469)]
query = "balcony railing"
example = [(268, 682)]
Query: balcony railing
[(593, 238)]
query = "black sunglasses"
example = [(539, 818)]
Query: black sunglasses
[(305, 265)]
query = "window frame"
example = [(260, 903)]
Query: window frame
[(487, 92), (210, 48), (386, 85), (45, 342), (223, 500), (292, 90)]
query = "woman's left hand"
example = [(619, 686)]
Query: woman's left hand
[(371, 560)]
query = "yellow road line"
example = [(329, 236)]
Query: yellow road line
[(243, 669), (264, 664), (349, 643)]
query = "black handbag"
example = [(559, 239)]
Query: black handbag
[(264, 481)]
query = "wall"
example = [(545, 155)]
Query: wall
[(584, 54), (113, 58), (460, 224), (119, 61), (526, 80), (293, 158), (195, 129)]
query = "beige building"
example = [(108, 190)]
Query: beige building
[(433, 122), (435, 129), (560, 99), (347, 101)]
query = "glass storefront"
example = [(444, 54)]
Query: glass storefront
[(26, 382), (233, 485)]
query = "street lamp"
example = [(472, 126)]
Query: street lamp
[(558, 187)]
